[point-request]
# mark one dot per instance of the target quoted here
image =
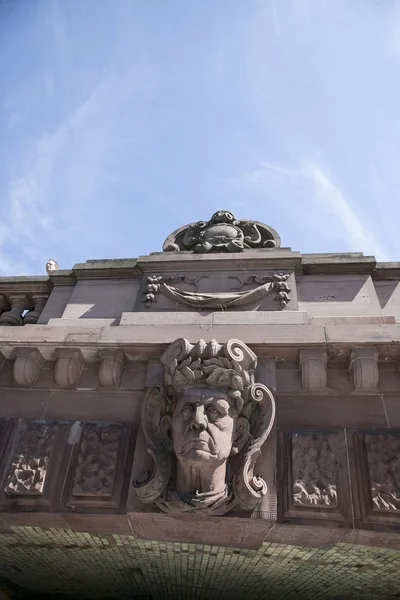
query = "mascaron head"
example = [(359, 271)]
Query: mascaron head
[(208, 410)]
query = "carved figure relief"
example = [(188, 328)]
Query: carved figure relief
[(95, 471), (205, 427), (313, 470), (222, 233), (275, 284), (29, 466), (383, 454)]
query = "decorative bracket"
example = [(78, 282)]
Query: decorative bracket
[(69, 366), (313, 369), (27, 366), (112, 367), (364, 369)]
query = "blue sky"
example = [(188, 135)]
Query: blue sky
[(122, 120)]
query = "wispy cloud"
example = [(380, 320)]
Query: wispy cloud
[(28, 209), (334, 202), (316, 192)]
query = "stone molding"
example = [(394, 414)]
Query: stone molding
[(313, 363), (364, 369)]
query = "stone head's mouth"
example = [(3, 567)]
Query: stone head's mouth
[(198, 444)]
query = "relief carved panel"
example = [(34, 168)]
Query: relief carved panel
[(95, 471), (96, 481), (30, 464), (314, 481), (313, 469), (32, 470), (383, 457)]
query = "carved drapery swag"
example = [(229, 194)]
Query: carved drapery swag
[(203, 370), (275, 284)]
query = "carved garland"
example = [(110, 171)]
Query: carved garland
[(276, 284)]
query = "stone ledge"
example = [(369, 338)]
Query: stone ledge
[(143, 335), (121, 268), (218, 531), (326, 264), (272, 259), (158, 319)]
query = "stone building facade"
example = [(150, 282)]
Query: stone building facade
[(217, 419)]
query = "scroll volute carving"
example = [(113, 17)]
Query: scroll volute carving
[(205, 427)]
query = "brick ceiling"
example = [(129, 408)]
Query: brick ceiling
[(56, 563)]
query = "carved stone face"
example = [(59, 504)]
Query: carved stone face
[(51, 265), (203, 428)]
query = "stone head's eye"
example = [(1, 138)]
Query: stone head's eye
[(187, 411), (213, 413)]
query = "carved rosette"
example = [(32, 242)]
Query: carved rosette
[(313, 369), (364, 369), (229, 367)]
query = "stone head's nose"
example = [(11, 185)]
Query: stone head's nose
[(199, 420)]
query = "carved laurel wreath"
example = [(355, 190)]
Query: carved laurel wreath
[(231, 367)]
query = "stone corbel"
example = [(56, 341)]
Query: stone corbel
[(27, 366), (19, 303), (364, 369), (313, 369), (112, 365), (69, 366), (32, 317)]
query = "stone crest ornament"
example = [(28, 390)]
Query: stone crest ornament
[(205, 427), (222, 233)]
